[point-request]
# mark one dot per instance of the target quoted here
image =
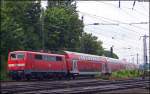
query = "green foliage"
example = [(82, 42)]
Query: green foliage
[(3, 75), (62, 29), (20, 28), (62, 3), (108, 54), (90, 45), (126, 74)]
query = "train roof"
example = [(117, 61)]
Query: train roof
[(83, 56), (96, 57), (42, 53), (114, 60)]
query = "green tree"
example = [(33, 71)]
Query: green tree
[(31, 24), (61, 3), (20, 27), (108, 54), (90, 44), (62, 29)]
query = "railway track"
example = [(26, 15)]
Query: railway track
[(95, 89), (73, 86)]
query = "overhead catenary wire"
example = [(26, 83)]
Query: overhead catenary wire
[(108, 22), (117, 24), (118, 41), (125, 12), (110, 35), (125, 43), (130, 25), (106, 3)]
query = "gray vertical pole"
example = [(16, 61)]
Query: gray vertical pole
[(144, 55), (43, 41), (111, 51), (82, 19), (133, 4), (119, 3), (137, 58), (145, 49), (138, 62), (149, 43)]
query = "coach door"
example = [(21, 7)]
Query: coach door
[(106, 68), (74, 66), (103, 68)]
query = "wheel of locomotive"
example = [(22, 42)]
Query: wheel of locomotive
[(40, 77), (59, 77), (28, 77), (18, 77), (14, 77)]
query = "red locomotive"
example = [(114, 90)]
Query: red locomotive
[(28, 64)]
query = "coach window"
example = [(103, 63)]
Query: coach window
[(38, 57)]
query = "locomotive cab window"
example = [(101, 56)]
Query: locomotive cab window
[(20, 56), (13, 56)]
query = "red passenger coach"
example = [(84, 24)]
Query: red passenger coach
[(85, 64)]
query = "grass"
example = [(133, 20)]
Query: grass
[(3, 75), (122, 74), (3, 70), (126, 74)]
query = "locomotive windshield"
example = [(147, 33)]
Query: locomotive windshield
[(14, 56)]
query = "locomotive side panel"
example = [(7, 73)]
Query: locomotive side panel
[(49, 63)]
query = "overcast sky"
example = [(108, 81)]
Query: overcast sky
[(123, 36)]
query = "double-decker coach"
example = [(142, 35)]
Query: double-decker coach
[(85, 64)]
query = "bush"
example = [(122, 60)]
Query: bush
[(3, 70), (3, 75), (126, 74)]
